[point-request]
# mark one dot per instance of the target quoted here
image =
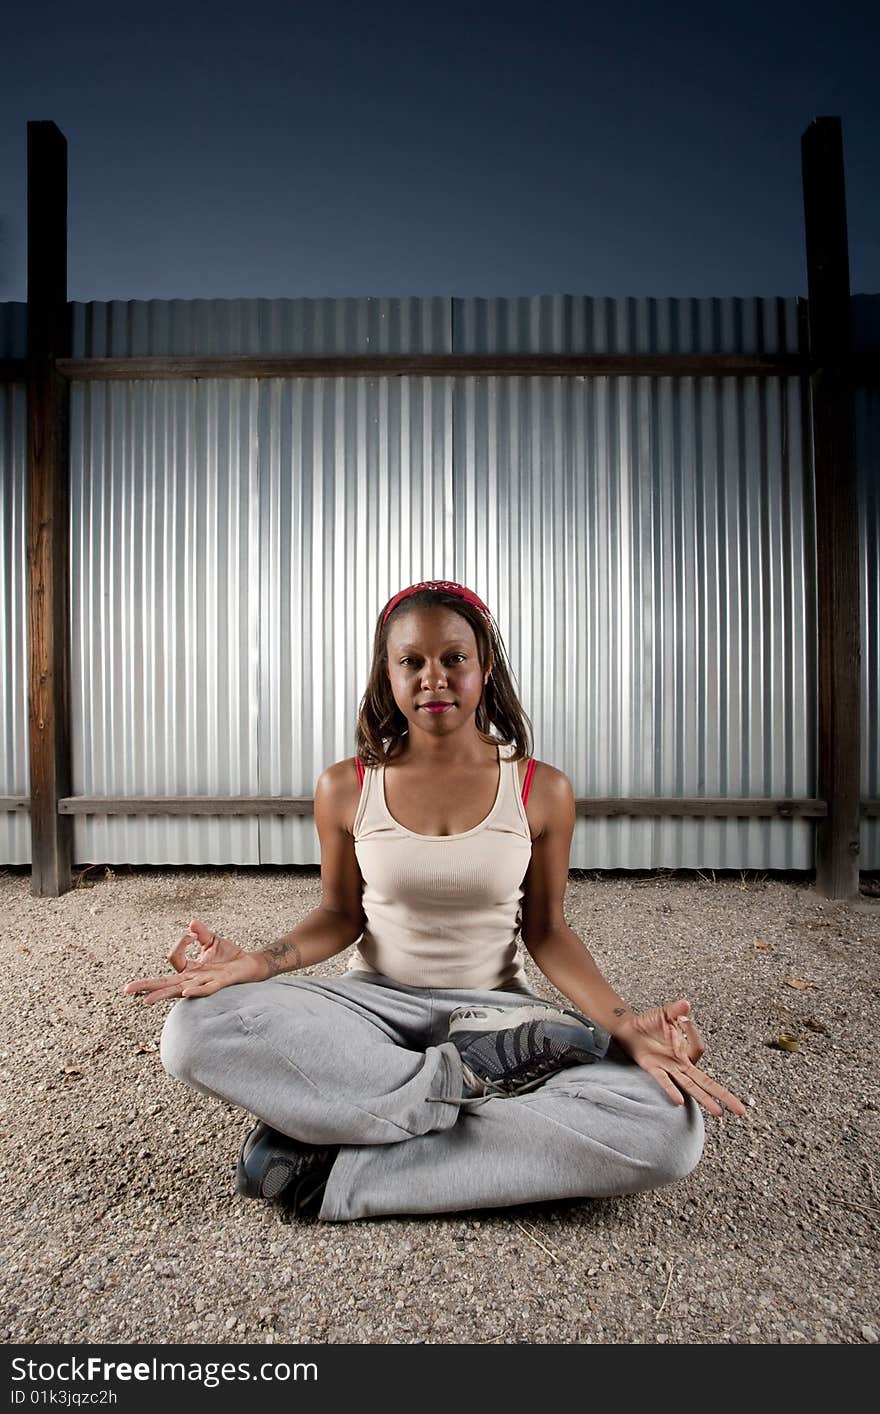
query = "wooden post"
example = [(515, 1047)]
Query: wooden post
[(48, 511), (837, 531)]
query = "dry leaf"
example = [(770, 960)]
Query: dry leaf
[(798, 983), (764, 947), (22, 949), (73, 1070), (785, 1042), (146, 1050)]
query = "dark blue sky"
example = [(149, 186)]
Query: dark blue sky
[(282, 149)]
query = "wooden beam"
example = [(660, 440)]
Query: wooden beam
[(437, 365), (650, 806), (862, 368), (245, 805), (837, 531), (48, 511), (721, 808)]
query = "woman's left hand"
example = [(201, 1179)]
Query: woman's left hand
[(665, 1043)]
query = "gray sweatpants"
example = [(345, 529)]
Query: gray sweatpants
[(363, 1062)]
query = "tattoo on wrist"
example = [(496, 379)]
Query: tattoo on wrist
[(623, 1011), (282, 957)]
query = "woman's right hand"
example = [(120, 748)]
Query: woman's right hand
[(220, 963)]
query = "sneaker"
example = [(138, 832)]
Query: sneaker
[(509, 1051), (272, 1165)]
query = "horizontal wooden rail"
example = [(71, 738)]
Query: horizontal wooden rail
[(862, 368), (187, 805), (484, 365), (720, 808), (648, 806)]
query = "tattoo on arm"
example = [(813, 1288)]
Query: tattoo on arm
[(623, 1011), (283, 957)]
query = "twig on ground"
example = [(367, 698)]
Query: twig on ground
[(856, 1207), (518, 1224), (659, 1313), (870, 1173)]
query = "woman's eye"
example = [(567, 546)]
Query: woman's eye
[(404, 661)]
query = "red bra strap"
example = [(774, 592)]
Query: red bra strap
[(360, 769), (527, 784)]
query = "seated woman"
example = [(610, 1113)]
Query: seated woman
[(429, 1077)]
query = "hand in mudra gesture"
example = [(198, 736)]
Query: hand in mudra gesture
[(658, 1041), (219, 963)]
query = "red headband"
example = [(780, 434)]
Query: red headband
[(450, 587)]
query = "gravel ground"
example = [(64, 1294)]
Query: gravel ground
[(121, 1224)]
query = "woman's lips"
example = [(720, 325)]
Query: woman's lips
[(437, 707)]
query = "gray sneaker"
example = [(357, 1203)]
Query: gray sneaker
[(510, 1051)]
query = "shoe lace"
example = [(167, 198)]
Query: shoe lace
[(528, 1075)]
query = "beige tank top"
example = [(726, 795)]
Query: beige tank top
[(443, 910)]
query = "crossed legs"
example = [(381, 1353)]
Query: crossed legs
[(362, 1062)]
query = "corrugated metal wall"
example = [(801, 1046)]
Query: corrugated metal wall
[(645, 544), (646, 538)]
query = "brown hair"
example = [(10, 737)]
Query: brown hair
[(381, 726)]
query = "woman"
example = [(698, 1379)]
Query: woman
[(429, 1077)]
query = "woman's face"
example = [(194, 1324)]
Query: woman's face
[(432, 657)]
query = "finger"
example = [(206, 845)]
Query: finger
[(152, 984), (699, 1092), (719, 1092), (162, 992), (666, 1084), (674, 1037), (696, 1046), (195, 986), (144, 984), (185, 987), (677, 1011), (678, 1043), (177, 956)]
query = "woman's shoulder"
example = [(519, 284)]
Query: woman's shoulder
[(339, 787), (340, 773), (550, 777), (550, 793)]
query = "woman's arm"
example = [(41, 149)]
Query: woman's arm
[(555, 947), (329, 929), (654, 1039), (562, 956)]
